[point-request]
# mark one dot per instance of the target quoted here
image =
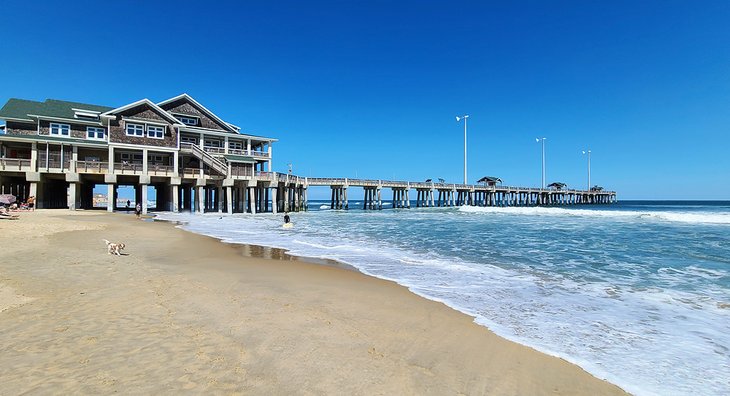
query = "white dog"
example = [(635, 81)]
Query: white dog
[(114, 248)]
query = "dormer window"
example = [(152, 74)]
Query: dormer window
[(192, 121), (86, 114)]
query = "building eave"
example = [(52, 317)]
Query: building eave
[(146, 101), (52, 139), (26, 120), (66, 120), (196, 103)]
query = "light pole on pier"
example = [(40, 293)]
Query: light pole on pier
[(543, 159), (589, 167), (464, 117)]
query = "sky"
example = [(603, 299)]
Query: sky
[(371, 89)]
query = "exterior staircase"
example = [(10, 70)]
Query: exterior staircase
[(213, 162)]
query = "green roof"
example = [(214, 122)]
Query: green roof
[(239, 158), (21, 108)]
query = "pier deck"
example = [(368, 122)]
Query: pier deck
[(450, 194)]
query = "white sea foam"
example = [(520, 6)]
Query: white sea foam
[(684, 217), (637, 321)]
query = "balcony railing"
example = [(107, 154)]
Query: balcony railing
[(160, 170), (193, 172), (258, 154), (92, 167), (215, 150), (124, 167), (222, 151), (11, 164)]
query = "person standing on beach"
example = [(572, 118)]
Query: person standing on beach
[(138, 210), (128, 203)]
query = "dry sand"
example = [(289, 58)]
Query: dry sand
[(186, 313)]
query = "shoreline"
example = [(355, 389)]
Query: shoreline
[(380, 336), (266, 252)]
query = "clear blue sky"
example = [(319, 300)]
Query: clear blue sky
[(370, 89)]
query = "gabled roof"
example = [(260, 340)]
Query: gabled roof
[(200, 107), (488, 179), (22, 109), (148, 102)]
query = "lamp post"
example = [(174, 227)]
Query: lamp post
[(589, 167), (464, 117), (543, 159)]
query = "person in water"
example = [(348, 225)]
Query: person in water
[(286, 218)]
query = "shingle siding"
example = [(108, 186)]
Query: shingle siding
[(118, 134), (77, 131), (20, 128), (183, 107)]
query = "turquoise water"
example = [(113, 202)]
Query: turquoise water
[(637, 293)]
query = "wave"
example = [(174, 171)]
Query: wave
[(683, 217)]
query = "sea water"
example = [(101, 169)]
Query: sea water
[(636, 293)]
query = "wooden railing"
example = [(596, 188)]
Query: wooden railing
[(92, 167), (160, 170), (11, 164), (127, 167), (218, 165)]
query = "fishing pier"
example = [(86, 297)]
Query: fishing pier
[(431, 194)]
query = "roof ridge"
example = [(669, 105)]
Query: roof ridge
[(74, 102)]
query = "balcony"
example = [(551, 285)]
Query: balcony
[(134, 168), (222, 151), (15, 164)]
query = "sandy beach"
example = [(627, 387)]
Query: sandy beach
[(181, 312)]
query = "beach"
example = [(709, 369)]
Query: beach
[(181, 312)]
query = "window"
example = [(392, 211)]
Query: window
[(135, 130), (188, 120), (156, 132), (235, 145), (130, 157), (60, 129), (212, 143), (95, 133), (188, 139), (156, 159)]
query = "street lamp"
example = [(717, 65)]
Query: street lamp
[(464, 117), (543, 159), (589, 167)]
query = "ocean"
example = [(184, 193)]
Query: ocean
[(637, 293)]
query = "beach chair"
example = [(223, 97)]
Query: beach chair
[(6, 215)]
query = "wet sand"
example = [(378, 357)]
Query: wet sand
[(181, 312)]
